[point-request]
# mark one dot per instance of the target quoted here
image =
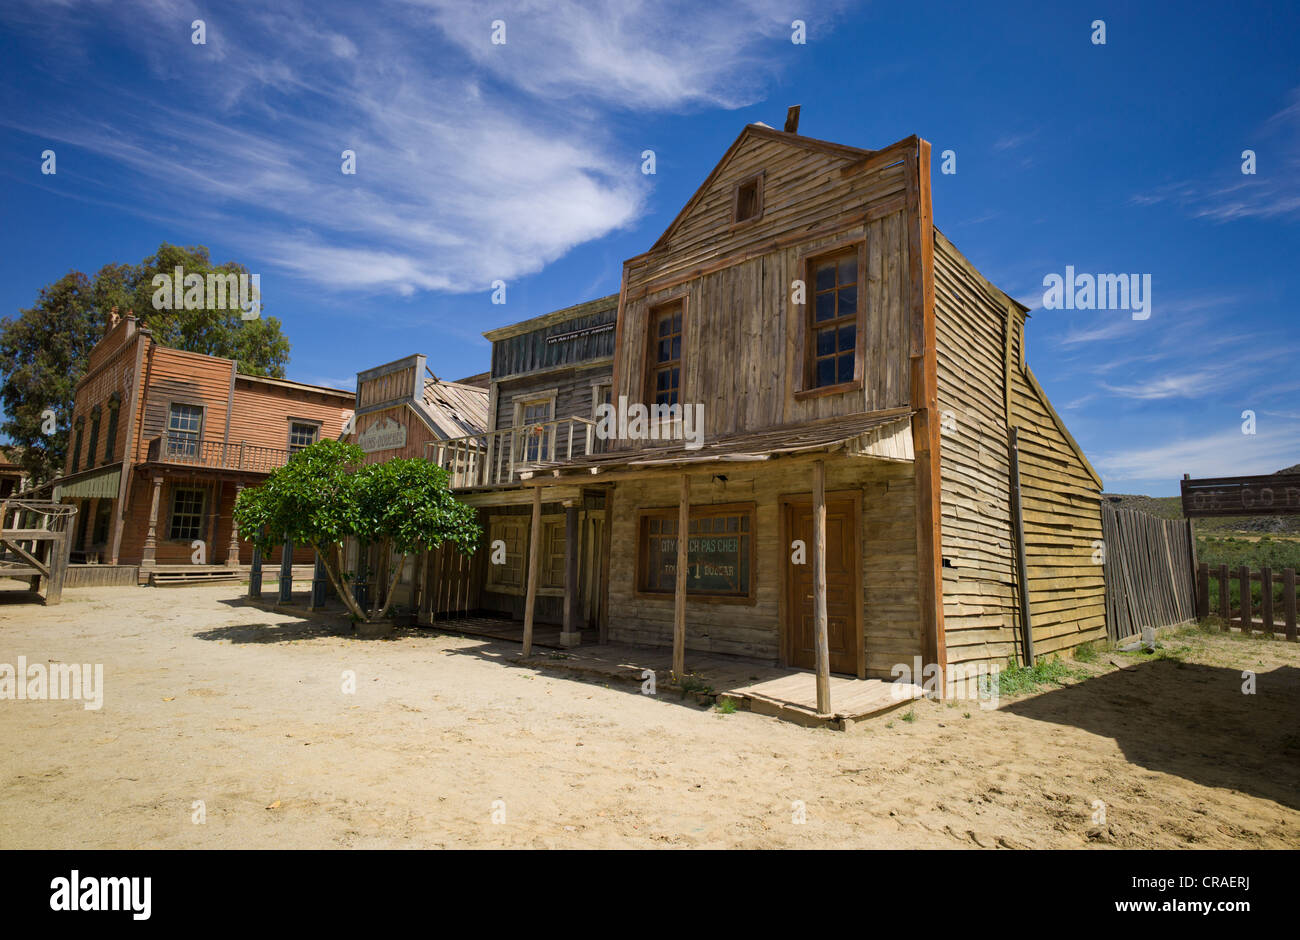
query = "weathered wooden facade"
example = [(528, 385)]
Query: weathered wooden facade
[(811, 382), (163, 441)]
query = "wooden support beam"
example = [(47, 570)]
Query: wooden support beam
[(534, 550), (571, 633), (1022, 573), (1288, 602), (232, 550), (149, 558), (821, 638), (1243, 584), (679, 592)]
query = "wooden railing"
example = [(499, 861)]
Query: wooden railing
[(500, 457), (219, 455), (1271, 583)]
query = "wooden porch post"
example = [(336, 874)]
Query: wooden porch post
[(819, 589), (232, 551), (210, 552), (571, 634), (679, 592), (150, 556), (534, 549), (286, 573)]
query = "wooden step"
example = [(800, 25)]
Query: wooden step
[(181, 578)]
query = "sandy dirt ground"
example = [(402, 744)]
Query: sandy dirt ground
[(209, 700)]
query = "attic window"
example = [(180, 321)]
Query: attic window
[(749, 199)]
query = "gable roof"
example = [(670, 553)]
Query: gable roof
[(764, 132)]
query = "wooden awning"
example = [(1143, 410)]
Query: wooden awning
[(884, 434)]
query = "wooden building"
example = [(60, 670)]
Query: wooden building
[(163, 441), (872, 452)]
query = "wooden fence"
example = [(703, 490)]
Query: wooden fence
[(1150, 571), (1271, 585)]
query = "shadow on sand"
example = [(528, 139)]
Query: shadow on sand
[(1192, 721)]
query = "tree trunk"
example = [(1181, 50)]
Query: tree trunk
[(336, 578)]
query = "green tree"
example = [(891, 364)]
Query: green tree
[(43, 351), (325, 495), (43, 355)]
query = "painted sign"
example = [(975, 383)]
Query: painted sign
[(1274, 495), (383, 435)]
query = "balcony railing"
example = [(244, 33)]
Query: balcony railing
[(216, 455), (499, 457)]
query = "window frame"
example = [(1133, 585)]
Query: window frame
[(176, 490), (169, 433), (697, 511), (758, 181), (519, 404), (110, 438), (316, 427), (651, 363), (806, 329), (78, 431), (96, 416)]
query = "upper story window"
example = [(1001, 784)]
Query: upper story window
[(831, 328), (748, 203), (184, 428), (79, 427), (666, 355), (532, 415), (95, 414), (110, 442), (302, 434)]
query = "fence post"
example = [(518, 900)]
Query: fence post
[(1266, 598), (1288, 602), (1243, 581), (1225, 596), (286, 573), (319, 585), (1202, 590), (255, 574)]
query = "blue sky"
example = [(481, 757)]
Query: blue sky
[(522, 162)]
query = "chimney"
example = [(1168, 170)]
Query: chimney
[(792, 119)]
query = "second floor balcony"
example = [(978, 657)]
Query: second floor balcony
[(216, 455), (496, 458)]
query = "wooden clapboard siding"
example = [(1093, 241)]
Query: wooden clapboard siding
[(573, 388), (418, 433), (741, 351), (1061, 496), (983, 382), (173, 376), (979, 604), (517, 351), (111, 365), (891, 615), (262, 412), (390, 386)]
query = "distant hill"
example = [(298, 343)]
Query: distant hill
[(1171, 507)]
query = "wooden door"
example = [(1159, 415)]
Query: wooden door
[(841, 586)]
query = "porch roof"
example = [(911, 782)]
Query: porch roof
[(884, 434)]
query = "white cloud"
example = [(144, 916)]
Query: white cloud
[(458, 182), (1228, 453)]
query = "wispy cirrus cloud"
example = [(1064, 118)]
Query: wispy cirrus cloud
[(1272, 192), (1223, 453), (459, 180)]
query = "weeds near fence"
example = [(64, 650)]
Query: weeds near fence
[(1017, 680)]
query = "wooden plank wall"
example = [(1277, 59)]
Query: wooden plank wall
[(1149, 571), (262, 413), (531, 352), (979, 604), (739, 346), (1062, 513), (394, 386), (891, 618), (175, 376), (418, 434), (112, 364)]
